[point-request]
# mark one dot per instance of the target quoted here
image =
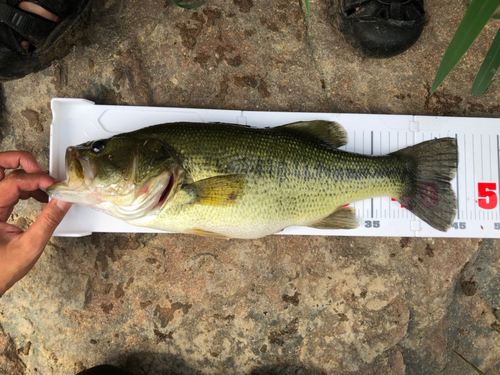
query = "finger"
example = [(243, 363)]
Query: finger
[(18, 182), (5, 213), (8, 232), (38, 194), (37, 236), (16, 159)]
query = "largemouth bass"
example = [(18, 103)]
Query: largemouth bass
[(227, 180)]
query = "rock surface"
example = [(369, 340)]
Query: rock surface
[(179, 304)]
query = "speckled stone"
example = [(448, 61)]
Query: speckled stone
[(181, 304)]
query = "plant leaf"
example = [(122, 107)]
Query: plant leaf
[(476, 17), (307, 9), (470, 363), (488, 68)]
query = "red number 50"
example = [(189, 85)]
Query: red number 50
[(487, 196)]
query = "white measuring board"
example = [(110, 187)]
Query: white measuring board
[(476, 184)]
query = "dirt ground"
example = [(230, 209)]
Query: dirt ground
[(180, 304)]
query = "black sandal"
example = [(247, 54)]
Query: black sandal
[(48, 40), (379, 28)]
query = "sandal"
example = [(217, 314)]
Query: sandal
[(379, 28), (48, 40)]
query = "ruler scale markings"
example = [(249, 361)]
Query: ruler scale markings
[(498, 163), (371, 153), (488, 157), (465, 172), (491, 162), (484, 157), (484, 177), (492, 145), (458, 187), (467, 189), (468, 186), (491, 214), (469, 176), (380, 141), (481, 149), (371, 142), (474, 172)]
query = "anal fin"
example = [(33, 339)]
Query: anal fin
[(341, 218), (205, 233)]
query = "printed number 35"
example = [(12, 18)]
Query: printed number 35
[(372, 224)]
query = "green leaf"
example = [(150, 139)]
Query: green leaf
[(307, 9), (488, 68), (476, 17), (187, 4)]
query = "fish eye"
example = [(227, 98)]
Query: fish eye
[(98, 146)]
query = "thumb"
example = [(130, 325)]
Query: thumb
[(42, 229)]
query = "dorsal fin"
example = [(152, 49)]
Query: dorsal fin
[(330, 132)]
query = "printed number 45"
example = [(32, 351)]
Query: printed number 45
[(487, 196)]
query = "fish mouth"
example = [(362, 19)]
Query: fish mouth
[(124, 198), (79, 177), (78, 169)]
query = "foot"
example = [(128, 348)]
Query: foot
[(33, 35), (380, 28), (38, 10)]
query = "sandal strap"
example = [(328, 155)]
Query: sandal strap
[(355, 3), (397, 10), (33, 28)]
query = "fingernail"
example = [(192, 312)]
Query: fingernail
[(63, 205)]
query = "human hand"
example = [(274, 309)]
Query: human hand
[(20, 250)]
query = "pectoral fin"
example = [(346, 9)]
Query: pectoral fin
[(218, 190), (341, 218)]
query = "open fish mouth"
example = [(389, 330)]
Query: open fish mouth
[(79, 171), (72, 164)]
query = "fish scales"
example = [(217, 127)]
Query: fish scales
[(293, 179), (270, 178)]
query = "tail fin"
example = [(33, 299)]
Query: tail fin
[(428, 193)]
